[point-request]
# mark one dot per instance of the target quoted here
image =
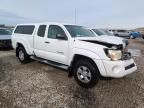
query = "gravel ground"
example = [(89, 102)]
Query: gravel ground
[(37, 85)]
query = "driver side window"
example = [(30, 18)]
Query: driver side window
[(55, 30)]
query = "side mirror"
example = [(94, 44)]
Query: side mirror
[(61, 37)]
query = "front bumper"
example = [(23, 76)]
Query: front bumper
[(118, 69)]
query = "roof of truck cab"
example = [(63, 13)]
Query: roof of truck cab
[(55, 23)]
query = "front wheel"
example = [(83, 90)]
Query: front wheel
[(22, 55), (86, 73)]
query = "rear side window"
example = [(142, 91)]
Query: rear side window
[(122, 31), (41, 30), (25, 29)]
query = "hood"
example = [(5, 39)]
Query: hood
[(104, 38), (108, 41), (5, 37)]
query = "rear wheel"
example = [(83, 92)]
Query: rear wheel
[(22, 55), (86, 73)]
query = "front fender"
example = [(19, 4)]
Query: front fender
[(83, 52), (92, 55)]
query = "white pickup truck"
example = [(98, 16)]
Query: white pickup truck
[(74, 48)]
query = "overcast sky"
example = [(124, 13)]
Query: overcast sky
[(91, 13)]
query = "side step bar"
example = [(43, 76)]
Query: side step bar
[(51, 63)]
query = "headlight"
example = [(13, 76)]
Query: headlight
[(114, 54)]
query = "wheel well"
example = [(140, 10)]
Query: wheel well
[(76, 58), (18, 45)]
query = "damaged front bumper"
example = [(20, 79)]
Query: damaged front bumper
[(117, 69)]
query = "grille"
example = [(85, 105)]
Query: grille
[(126, 56)]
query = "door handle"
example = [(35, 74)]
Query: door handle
[(47, 42)]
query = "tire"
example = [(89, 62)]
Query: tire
[(86, 73), (22, 55)]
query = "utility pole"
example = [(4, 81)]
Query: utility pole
[(75, 16)]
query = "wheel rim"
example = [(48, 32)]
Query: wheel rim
[(84, 74), (21, 55)]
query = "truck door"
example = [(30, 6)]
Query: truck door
[(48, 46), (56, 44), (39, 41)]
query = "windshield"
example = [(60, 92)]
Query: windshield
[(102, 32), (79, 31), (99, 32), (5, 32), (108, 33)]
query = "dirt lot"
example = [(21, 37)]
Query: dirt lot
[(36, 85)]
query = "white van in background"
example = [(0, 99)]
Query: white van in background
[(121, 33)]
